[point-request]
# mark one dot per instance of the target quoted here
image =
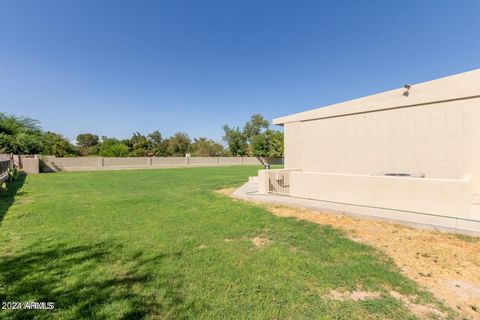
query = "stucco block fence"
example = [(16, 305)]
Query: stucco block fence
[(52, 164)]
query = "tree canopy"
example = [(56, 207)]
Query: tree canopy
[(256, 139), (203, 147), (87, 140), (22, 135), (178, 145)]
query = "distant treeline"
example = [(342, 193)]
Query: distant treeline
[(22, 135)]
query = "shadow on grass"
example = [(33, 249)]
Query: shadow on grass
[(91, 282), (7, 197)]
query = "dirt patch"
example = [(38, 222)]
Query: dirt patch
[(260, 242), (226, 191), (353, 295), (445, 264), (419, 310)]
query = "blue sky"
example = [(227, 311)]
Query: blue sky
[(115, 67)]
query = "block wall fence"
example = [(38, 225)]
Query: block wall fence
[(53, 164)]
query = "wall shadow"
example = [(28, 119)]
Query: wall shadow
[(47, 166), (84, 282), (7, 197)]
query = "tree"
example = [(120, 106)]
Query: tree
[(57, 145), (203, 147), (236, 141), (155, 138), (268, 144), (111, 147), (20, 135), (255, 126), (157, 147), (88, 144), (178, 144), (240, 141), (138, 145), (86, 140)]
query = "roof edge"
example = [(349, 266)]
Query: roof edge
[(459, 86)]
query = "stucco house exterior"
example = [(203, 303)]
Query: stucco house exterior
[(410, 154)]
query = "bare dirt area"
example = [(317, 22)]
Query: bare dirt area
[(353, 295), (226, 191), (420, 310), (447, 265), (260, 242)]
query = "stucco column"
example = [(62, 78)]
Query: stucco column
[(262, 182)]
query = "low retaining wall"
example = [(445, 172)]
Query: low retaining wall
[(444, 203), (52, 164), (446, 197)]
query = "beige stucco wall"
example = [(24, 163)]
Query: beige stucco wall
[(168, 161), (72, 162), (432, 130), (446, 197), (292, 144), (427, 139), (123, 162), (31, 165)]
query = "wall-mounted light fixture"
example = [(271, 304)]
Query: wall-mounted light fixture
[(407, 89)]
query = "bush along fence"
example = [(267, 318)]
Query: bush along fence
[(52, 164)]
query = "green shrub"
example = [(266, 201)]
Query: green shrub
[(113, 148), (12, 173)]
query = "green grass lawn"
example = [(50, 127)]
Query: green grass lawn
[(162, 244)]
